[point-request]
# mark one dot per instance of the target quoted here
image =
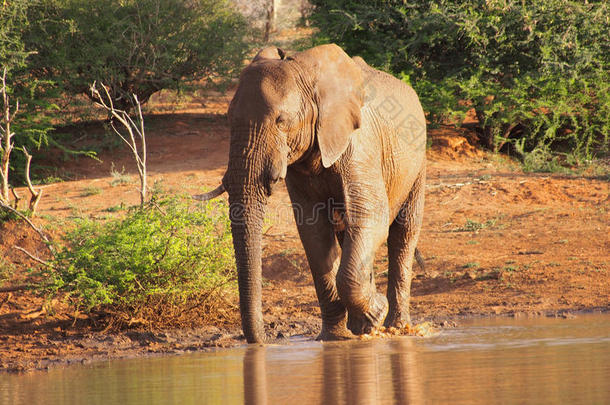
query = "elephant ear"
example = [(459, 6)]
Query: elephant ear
[(270, 52), (338, 93)]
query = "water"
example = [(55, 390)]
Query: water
[(506, 361)]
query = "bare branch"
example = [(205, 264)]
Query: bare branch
[(31, 224), (17, 198), (123, 138), (35, 195), (35, 258), (130, 126)]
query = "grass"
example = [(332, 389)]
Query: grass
[(475, 226), (116, 208), (511, 268), (471, 265), (48, 180), (91, 190), (119, 178), (76, 212), (542, 160), (6, 270)]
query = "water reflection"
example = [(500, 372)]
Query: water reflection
[(491, 361), (545, 361), (406, 375), (255, 375), (358, 373)]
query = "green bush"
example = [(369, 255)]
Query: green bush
[(168, 252), (537, 73), (134, 46), (33, 121), (13, 16)]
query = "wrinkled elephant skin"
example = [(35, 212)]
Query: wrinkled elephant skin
[(350, 142)]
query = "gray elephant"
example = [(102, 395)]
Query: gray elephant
[(350, 142)]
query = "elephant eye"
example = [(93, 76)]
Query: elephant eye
[(282, 121)]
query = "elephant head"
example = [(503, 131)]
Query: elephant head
[(285, 110)]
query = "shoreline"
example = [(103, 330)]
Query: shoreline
[(201, 340)]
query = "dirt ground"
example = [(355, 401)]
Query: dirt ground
[(496, 241)]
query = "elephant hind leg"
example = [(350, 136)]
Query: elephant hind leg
[(402, 241)]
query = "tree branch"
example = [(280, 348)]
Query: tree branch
[(31, 224), (35, 195), (130, 126), (17, 198), (35, 258)]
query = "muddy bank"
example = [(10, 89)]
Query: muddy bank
[(71, 345)]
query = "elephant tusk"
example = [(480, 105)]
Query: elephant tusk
[(210, 195)]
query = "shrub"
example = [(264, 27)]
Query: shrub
[(536, 73), (165, 253), (134, 47), (13, 16), (32, 124)]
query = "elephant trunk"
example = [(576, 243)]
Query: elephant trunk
[(246, 225)]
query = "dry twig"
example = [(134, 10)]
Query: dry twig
[(31, 224), (35, 258), (17, 198), (135, 131), (35, 196)]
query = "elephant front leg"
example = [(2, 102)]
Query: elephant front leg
[(323, 255), (402, 240), (356, 282), (322, 252)]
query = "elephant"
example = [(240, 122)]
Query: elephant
[(349, 141)]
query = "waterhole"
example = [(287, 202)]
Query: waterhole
[(484, 361)]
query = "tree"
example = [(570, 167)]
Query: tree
[(536, 73), (9, 112), (34, 96), (135, 47)]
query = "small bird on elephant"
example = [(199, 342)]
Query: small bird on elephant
[(350, 142)]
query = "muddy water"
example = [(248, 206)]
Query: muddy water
[(504, 361)]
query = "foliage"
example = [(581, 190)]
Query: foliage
[(33, 122), (166, 251), (134, 47), (536, 73), (54, 49), (13, 16)]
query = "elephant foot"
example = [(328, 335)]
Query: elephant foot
[(334, 334), (364, 323), (397, 320)]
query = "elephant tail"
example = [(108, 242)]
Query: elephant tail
[(420, 260)]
